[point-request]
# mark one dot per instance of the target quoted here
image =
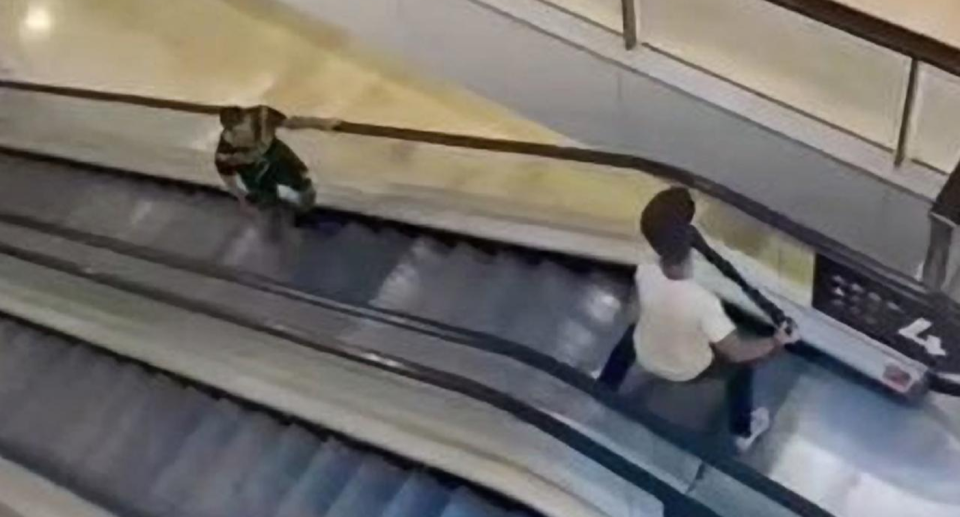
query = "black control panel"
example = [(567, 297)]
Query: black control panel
[(905, 320)]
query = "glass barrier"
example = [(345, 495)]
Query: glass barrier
[(608, 13), (935, 138), (810, 66)]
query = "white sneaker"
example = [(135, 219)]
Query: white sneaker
[(759, 424)]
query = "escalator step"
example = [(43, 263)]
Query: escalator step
[(44, 392), (21, 192), (547, 298), (491, 307), (223, 221), (335, 267), (329, 472), (364, 259), (309, 252), (122, 434), (370, 491), (213, 496), (575, 343), (159, 435), (526, 316), (402, 290), (421, 496), (29, 354), (276, 474), (379, 263), (98, 422), (155, 217), (252, 250), (450, 289), (604, 311), (465, 503), (8, 332), (41, 435), (194, 459), (576, 337), (108, 210)]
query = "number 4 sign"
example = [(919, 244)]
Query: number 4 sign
[(932, 344)]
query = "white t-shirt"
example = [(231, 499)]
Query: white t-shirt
[(679, 320)]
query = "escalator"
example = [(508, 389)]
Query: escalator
[(564, 308), (560, 308), (143, 443), (463, 290)]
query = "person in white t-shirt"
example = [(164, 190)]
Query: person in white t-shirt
[(683, 334)]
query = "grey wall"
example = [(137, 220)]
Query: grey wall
[(609, 106)]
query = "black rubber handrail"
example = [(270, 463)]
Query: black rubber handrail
[(698, 445)]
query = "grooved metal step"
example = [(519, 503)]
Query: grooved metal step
[(143, 443)]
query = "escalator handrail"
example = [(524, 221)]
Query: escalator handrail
[(819, 242), (674, 434), (872, 28)]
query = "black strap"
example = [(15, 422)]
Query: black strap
[(769, 308)]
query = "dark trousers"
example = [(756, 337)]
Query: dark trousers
[(735, 379)]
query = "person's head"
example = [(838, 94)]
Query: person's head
[(231, 117), (666, 223), (238, 126)]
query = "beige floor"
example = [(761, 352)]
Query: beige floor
[(608, 13), (235, 51), (938, 19)]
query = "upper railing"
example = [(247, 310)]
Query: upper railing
[(886, 84), (882, 82)]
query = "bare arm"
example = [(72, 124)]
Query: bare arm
[(739, 350), (240, 157), (234, 185)]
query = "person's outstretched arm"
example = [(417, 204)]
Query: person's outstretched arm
[(740, 350), (325, 124), (727, 340)]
